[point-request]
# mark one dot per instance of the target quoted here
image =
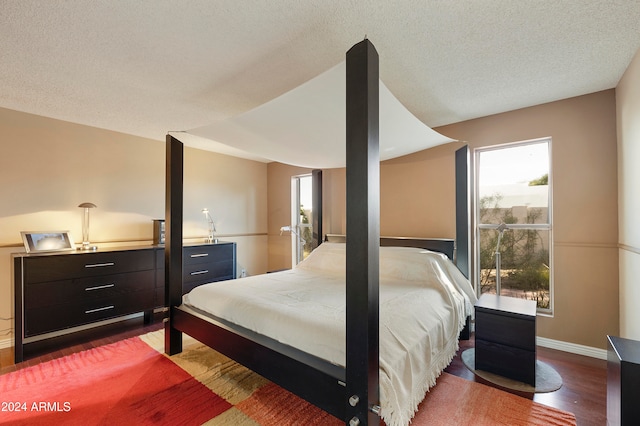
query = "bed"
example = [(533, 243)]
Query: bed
[(346, 375), (424, 303)]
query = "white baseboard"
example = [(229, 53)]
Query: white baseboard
[(573, 348)]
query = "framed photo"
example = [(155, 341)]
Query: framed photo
[(37, 242)]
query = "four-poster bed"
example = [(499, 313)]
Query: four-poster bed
[(347, 389)]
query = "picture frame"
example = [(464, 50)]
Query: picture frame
[(47, 241)]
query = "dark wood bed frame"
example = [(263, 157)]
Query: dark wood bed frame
[(349, 393)]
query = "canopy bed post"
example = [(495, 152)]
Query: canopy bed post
[(463, 219), (363, 234), (462, 210), (316, 190), (173, 240)]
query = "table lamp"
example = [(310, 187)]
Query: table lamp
[(86, 245)]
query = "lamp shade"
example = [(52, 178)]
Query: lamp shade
[(87, 205)]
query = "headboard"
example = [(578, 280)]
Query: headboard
[(442, 245)]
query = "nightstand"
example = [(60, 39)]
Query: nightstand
[(623, 381), (506, 337)]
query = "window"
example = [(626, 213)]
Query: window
[(513, 217), (301, 217)]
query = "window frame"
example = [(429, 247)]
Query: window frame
[(547, 227)]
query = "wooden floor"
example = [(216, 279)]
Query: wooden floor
[(584, 379), (584, 383)]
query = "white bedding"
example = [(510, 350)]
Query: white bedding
[(424, 300)]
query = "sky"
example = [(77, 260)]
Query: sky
[(519, 164), (508, 171), (305, 192)]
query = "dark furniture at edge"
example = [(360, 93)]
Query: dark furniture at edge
[(61, 292), (623, 381), (204, 263), (350, 393), (506, 337)]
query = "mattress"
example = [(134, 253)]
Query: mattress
[(424, 301)]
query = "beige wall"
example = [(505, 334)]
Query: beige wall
[(417, 199), (417, 194), (628, 107), (403, 197), (584, 168), (48, 167), (279, 195), (333, 217)]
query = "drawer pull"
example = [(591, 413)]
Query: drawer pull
[(200, 255), (105, 308), (99, 287), (200, 272), (99, 265)]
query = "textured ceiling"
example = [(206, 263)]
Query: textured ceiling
[(147, 67)]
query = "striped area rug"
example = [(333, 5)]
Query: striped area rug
[(254, 400), (133, 383)]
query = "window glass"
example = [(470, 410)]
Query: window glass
[(513, 217), (301, 217)]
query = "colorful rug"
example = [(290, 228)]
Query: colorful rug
[(123, 383), (132, 382)]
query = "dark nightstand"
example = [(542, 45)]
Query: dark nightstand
[(506, 337), (623, 381)]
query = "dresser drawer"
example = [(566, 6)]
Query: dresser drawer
[(196, 255), (205, 253), (506, 330), (508, 361), (92, 288), (207, 272), (201, 264), (59, 317), (197, 280), (200, 277), (60, 267), (506, 320)]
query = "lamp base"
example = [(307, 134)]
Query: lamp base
[(211, 240), (87, 247)]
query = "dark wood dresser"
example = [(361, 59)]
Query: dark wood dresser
[(63, 292), (505, 337), (623, 381), (201, 264)]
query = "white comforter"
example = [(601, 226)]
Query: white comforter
[(424, 301)]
